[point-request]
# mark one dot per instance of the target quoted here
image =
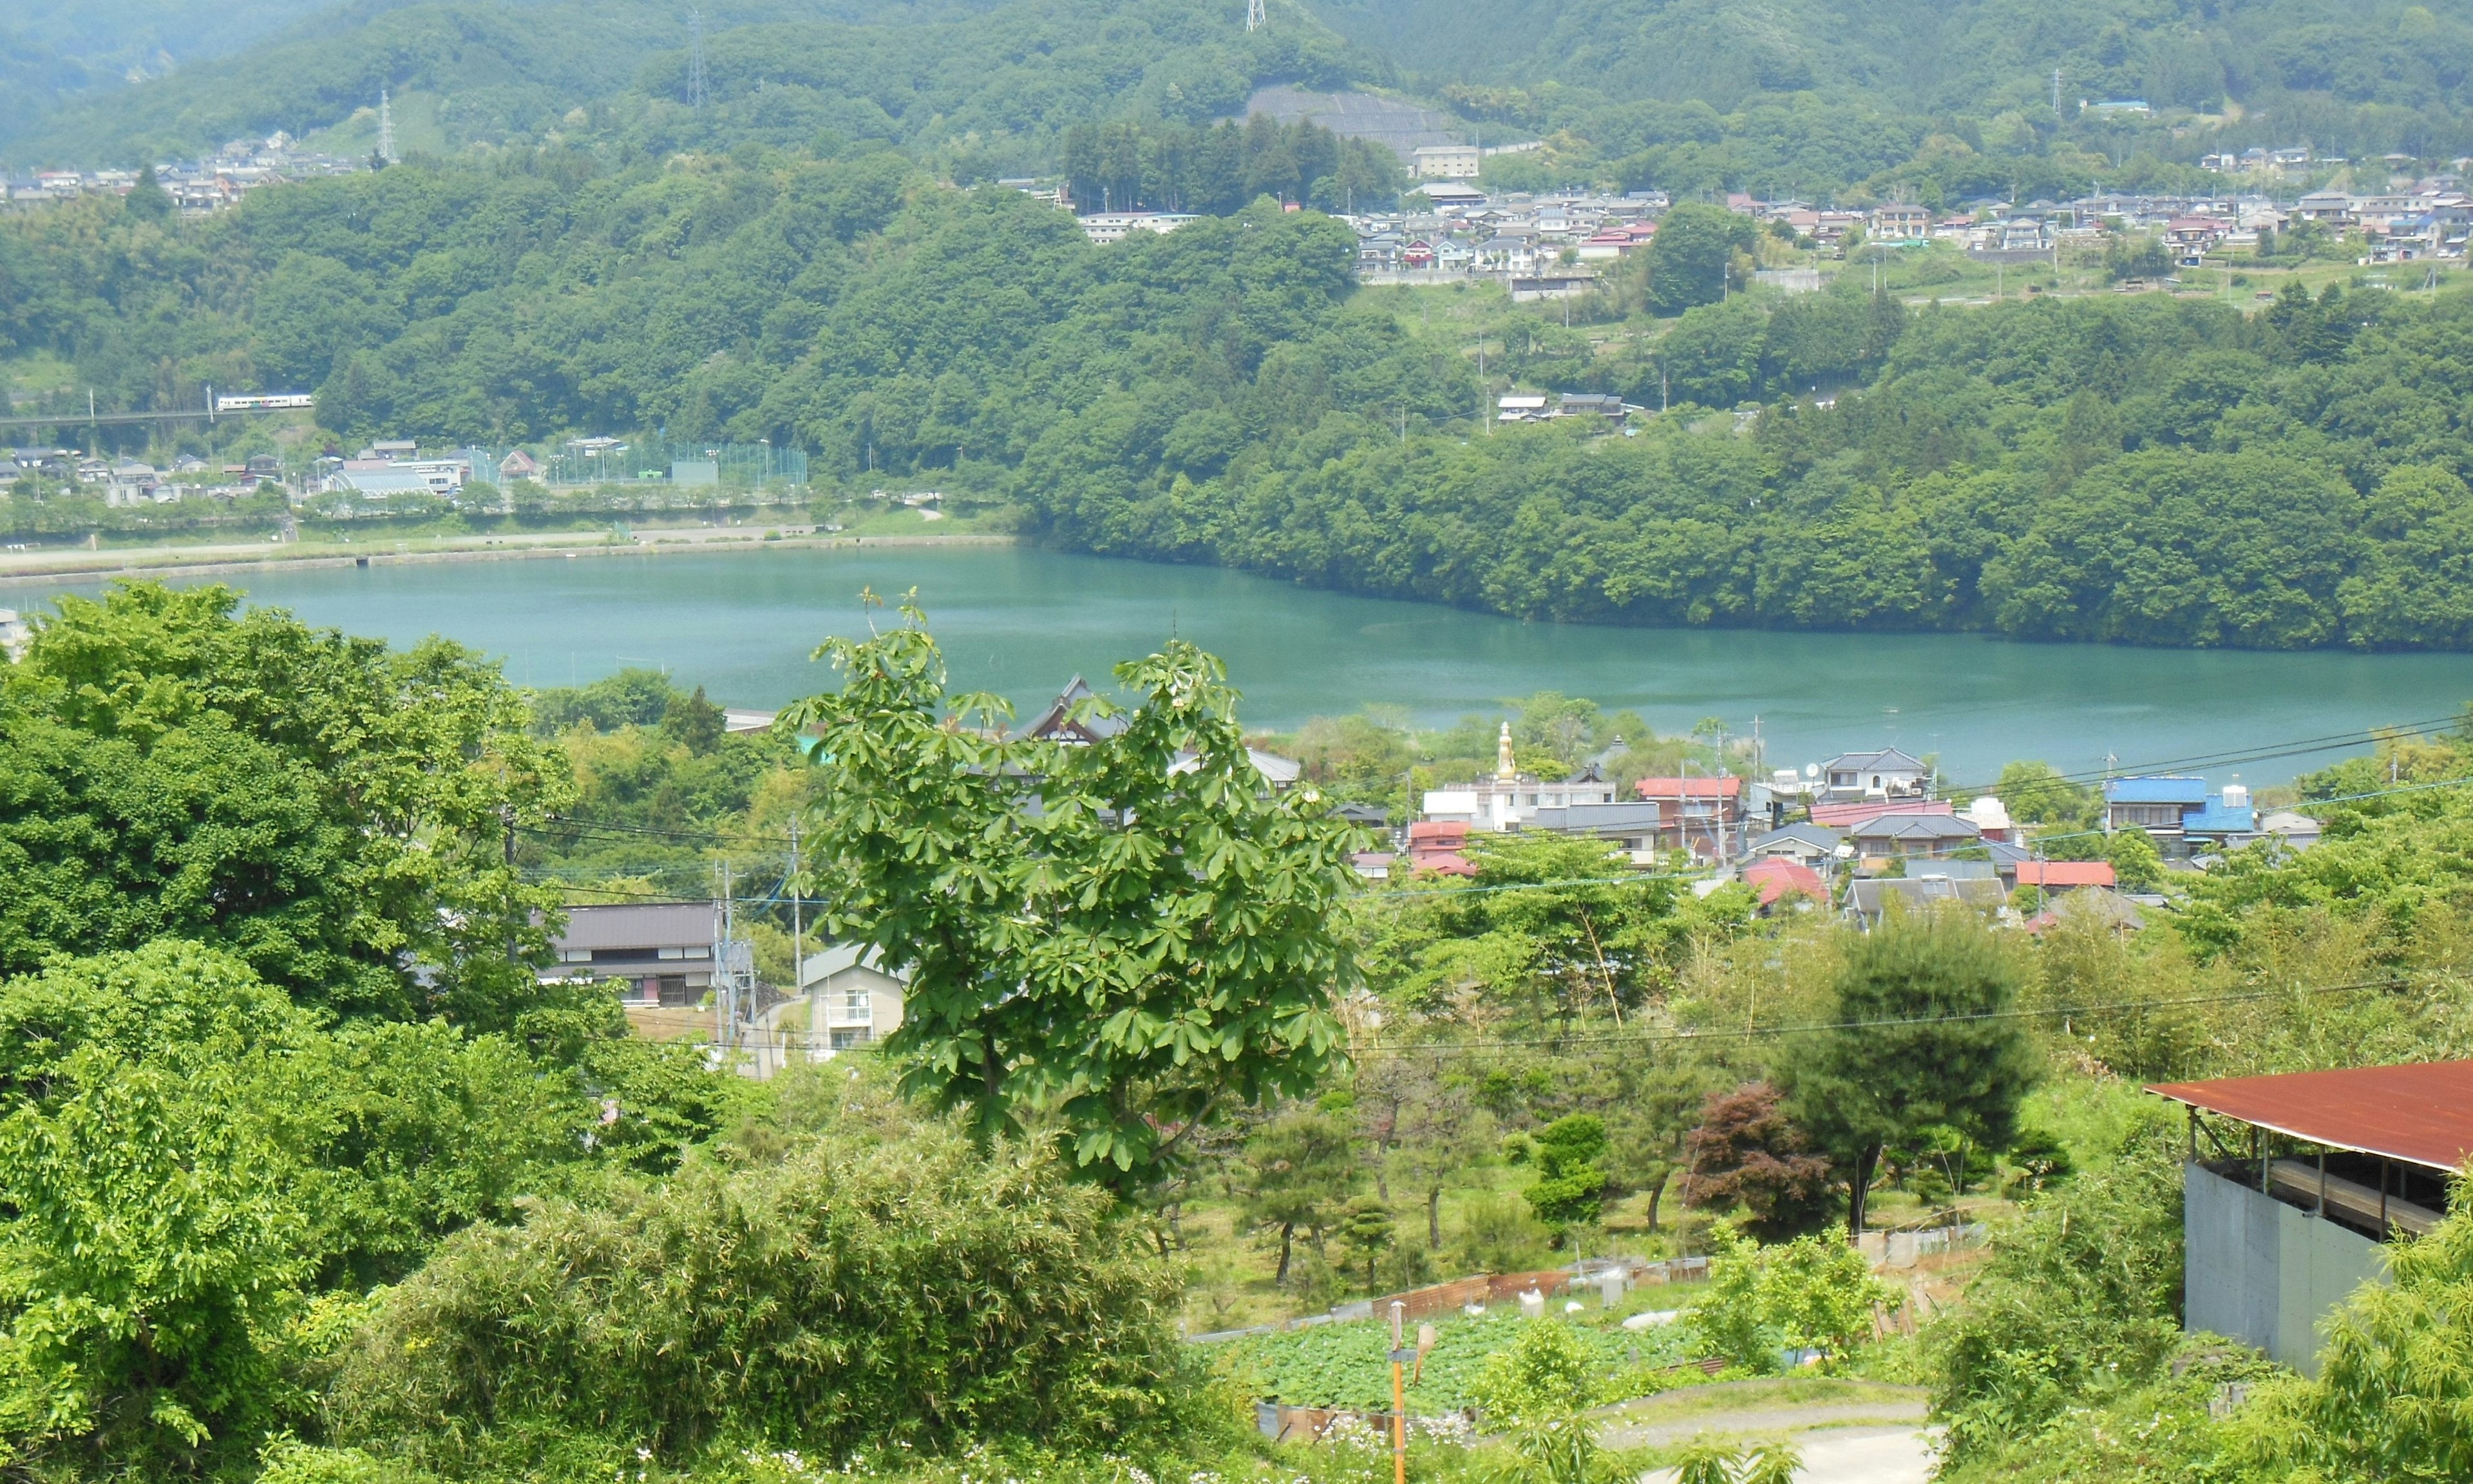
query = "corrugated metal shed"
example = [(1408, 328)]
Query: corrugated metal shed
[(2420, 1113)]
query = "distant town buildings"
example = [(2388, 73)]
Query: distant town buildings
[(196, 187), (1105, 226)]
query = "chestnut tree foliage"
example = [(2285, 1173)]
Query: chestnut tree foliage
[(1118, 941)]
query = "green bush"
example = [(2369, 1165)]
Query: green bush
[(2077, 1307), (1543, 1373), (863, 1290), (1812, 1293)]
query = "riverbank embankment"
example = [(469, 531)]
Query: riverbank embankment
[(86, 565)]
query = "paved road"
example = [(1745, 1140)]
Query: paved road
[(1854, 1455), (1766, 1420)]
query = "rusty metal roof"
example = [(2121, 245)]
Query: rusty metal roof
[(2421, 1113)]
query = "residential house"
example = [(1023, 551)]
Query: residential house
[(1804, 844), (1900, 223), (2190, 237), (857, 1001), (2155, 805), (1704, 816), (2064, 875), (1435, 846), (1641, 828), (659, 952), (2296, 831), (1066, 723), (1846, 816), (1898, 836), (2166, 808), (1868, 902), (2020, 233), (519, 465), (2102, 906), (1887, 773), (1597, 404), (2328, 208), (131, 483), (2221, 820), (1781, 883)]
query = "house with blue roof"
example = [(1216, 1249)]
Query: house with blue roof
[(2180, 813), (2155, 805)]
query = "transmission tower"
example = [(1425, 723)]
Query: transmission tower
[(695, 58), (1255, 18), (386, 128)]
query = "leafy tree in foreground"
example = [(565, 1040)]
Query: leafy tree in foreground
[(333, 813), (1915, 1046), (1132, 937)]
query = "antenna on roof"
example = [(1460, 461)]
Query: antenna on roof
[(695, 58)]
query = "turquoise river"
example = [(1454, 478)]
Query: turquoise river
[(1020, 622)]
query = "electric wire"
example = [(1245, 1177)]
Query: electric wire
[(1766, 1032)]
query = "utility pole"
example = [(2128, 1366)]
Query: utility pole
[(507, 822), (721, 987), (799, 937)]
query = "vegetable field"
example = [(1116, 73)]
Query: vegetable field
[(1345, 1365)]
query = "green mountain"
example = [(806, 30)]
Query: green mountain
[(1811, 93), (937, 75)]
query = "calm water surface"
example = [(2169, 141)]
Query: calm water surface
[(1020, 622)]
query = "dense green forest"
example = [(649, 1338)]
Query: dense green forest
[(1945, 100), (1927, 101), (2161, 472), (2149, 470), (984, 88)]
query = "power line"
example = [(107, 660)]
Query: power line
[(569, 825), (2265, 754), (2384, 793), (1762, 1033)]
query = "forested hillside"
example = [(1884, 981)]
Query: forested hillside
[(1922, 98), (1796, 95), (2155, 472), (2150, 470), (984, 84), (846, 305)]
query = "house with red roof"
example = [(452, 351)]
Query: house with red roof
[(1695, 814), (1777, 879)]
